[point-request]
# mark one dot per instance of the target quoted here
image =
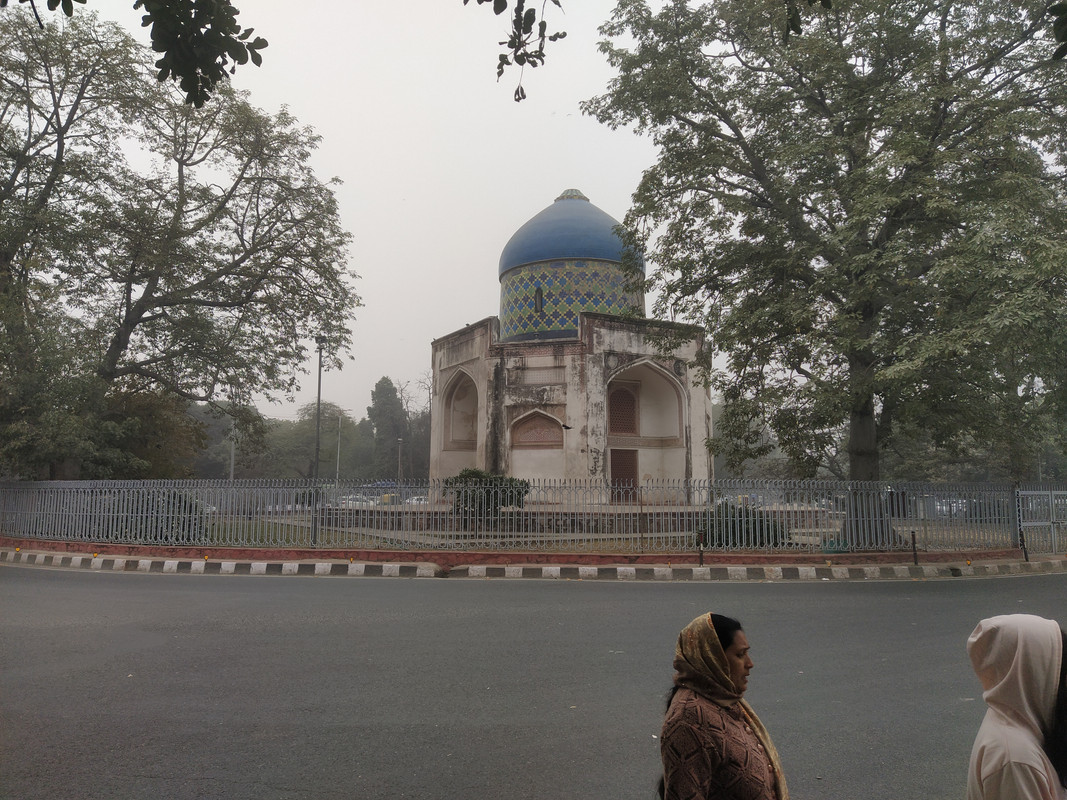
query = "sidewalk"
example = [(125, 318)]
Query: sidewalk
[(492, 565)]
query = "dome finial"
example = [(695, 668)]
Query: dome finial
[(572, 194)]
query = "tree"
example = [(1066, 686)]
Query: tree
[(197, 40), (524, 46), (158, 432), (285, 448), (869, 219), (417, 462), (229, 449), (416, 452), (386, 414), (290, 445), (361, 453), (202, 276), (914, 456)]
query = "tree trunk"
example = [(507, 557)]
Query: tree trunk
[(868, 523), (862, 427), (863, 443)]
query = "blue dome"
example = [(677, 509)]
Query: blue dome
[(570, 228)]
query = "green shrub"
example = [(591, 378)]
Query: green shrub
[(734, 524), (481, 494)]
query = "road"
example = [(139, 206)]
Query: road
[(118, 686)]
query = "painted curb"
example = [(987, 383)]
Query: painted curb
[(762, 573), (782, 572), (220, 567)]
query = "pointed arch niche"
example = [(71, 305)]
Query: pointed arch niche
[(537, 446), (646, 424), (461, 414)]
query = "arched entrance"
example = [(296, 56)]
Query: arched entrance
[(645, 428)]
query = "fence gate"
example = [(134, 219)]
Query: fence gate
[(1043, 519)]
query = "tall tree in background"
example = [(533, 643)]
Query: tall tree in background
[(227, 447), (199, 274), (416, 455), (350, 450), (290, 450), (870, 220), (386, 413)]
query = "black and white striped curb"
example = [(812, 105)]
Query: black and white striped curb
[(776, 573), (616, 573), (220, 567)]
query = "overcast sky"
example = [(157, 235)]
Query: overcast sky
[(440, 165)]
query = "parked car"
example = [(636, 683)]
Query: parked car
[(418, 500), (356, 501)]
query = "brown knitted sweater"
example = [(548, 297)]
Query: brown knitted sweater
[(711, 752)]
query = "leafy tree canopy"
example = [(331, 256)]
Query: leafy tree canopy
[(528, 35), (197, 40), (147, 246), (869, 220)]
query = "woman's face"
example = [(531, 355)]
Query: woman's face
[(740, 662)]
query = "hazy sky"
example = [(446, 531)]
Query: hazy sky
[(440, 165)]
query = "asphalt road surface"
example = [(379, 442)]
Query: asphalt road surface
[(118, 686)]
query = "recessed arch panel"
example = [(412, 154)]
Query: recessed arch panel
[(461, 414), (537, 431)]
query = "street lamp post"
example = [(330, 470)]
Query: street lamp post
[(399, 447), (320, 342)]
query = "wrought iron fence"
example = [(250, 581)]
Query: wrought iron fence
[(545, 516)]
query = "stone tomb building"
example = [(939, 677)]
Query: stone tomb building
[(567, 382)]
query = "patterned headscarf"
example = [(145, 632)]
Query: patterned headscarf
[(700, 665)]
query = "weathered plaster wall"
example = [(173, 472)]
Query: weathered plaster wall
[(567, 381)]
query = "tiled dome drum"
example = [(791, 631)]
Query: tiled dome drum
[(567, 259)]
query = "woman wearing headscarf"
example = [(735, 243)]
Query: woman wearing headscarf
[(713, 745), (1020, 752)]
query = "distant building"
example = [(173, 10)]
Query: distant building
[(567, 382)]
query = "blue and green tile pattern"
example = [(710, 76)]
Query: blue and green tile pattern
[(567, 289)]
